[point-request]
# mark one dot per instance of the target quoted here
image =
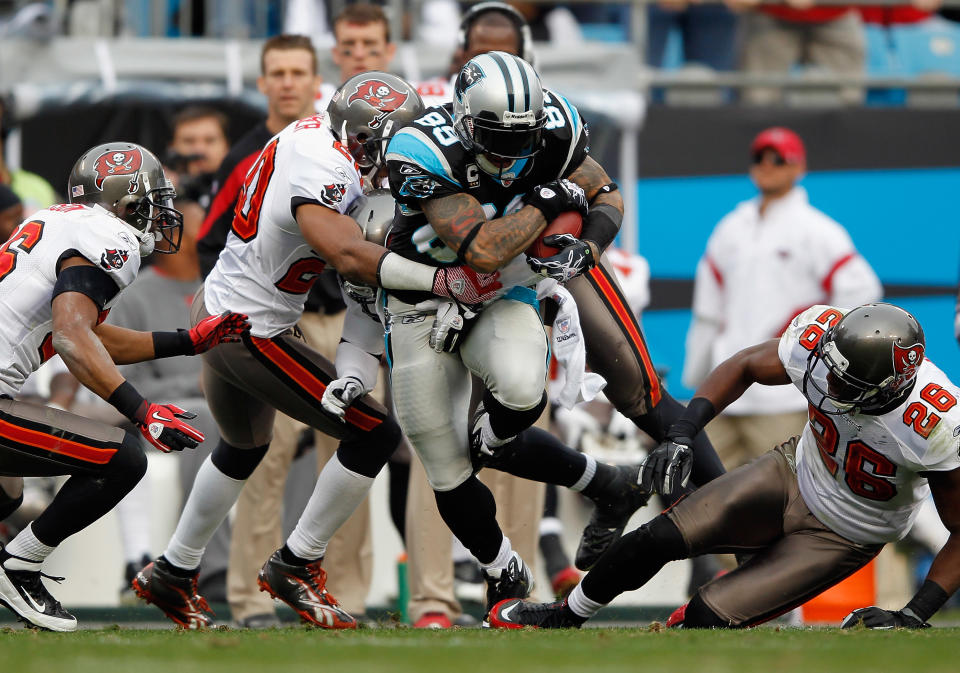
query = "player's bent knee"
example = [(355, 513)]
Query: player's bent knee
[(237, 463), (129, 463), (442, 481), (366, 453), (698, 615)]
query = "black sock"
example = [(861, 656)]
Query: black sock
[(290, 558), (470, 513), (604, 483), (506, 422), (554, 557), (177, 571), (539, 456)]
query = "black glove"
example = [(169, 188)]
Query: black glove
[(575, 257), (559, 196), (667, 467), (878, 618)]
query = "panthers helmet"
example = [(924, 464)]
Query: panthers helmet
[(367, 110), (871, 355), (498, 113), (374, 213), (128, 180)]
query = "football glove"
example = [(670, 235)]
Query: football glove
[(465, 286), (559, 196), (878, 618), (667, 467), (162, 425), (574, 258), (447, 327), (340, 394), (217, 329)]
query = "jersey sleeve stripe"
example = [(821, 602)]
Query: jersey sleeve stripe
[(827, 282), (413, 146), (576, 128)]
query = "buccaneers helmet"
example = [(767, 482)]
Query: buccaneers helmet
[(498, 113), (871, 356), (374, 213), (367, 110), (128, 180)]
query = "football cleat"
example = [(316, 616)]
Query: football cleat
[(517, 614), (514, 581), (303, 589), (176, 595), (564, 582), (675, 620), (22, 591), (433, 620), (610, 515)]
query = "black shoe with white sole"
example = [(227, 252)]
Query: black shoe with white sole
[(517, 614), (22, 591), (610, 515), (514, 581)]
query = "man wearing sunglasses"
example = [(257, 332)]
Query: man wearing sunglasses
[(769, 259)]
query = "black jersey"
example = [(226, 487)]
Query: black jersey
[(427, 161)]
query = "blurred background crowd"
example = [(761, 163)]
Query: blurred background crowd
[(859, 103)]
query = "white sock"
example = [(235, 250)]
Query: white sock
[(210, 500), (133, 515), (502, 558), (550, 525), (338, 493), (581, 605), (587, 476), (459, 552), (487, 434), (27, 546)]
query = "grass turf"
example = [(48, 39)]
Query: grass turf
[(460, 650)]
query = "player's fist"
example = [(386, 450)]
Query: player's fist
[(217, 329), (878, 618), (163, 426), (465, 286), (557, 197), (340, 394), (575, 257), (666, 468)]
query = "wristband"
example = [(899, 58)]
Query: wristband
[(602, 225), (127, 401), (170, 344), (926, 601), (699, 412)]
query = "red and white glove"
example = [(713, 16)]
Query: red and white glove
[(465, 286), (161, 424), (217, 329)]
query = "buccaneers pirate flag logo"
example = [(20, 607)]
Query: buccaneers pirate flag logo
[(118, 162), (380, 96)]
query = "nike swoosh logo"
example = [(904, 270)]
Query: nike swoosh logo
[(39, 607), (505, 613), (158, 417)]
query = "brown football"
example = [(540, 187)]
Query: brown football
[(569, 222)]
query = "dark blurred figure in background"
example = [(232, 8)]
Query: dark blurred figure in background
[(196, 150), (11, 211)]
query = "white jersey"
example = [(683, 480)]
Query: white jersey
[(861, 475), (29, 263), (267, 267)]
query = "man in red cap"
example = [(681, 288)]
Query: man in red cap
[(768, 260)]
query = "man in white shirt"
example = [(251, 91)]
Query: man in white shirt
[(769, 259)]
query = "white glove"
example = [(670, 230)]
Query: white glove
[(447, 327), (574, 423), (340, 394)]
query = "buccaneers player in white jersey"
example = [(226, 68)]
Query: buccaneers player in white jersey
[(60, 272), (881, 436)]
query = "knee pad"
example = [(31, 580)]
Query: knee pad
[(366, 453), (237, 463), (699, 616)]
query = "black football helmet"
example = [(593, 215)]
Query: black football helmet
[(871, 355)]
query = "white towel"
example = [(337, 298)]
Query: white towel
[(575, 383)]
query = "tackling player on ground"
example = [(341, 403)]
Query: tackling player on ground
[(881, 436)]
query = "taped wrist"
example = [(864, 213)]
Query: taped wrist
[(395, 272), (128, 401), (602, 225), (926, 601), (698, 413), (170, 344)]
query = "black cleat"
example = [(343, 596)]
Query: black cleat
[(303, 589), (516, 614), (610, 516), (175, 595), (514, 581), (22, 591)]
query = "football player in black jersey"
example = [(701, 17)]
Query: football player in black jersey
[(476, 181)]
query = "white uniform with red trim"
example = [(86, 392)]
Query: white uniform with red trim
[(860, 474), (267, 271), (28, 272), (759, 272)]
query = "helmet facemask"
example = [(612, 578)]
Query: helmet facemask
[(499, 147), (155, 216)]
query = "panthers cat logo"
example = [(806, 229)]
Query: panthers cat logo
[(380, 96), (118, 162)]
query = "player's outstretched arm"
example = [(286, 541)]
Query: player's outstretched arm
[(756, 364)]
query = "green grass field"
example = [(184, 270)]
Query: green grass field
[(601, 649)]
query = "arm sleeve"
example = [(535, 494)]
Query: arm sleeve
[(361, 346)]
